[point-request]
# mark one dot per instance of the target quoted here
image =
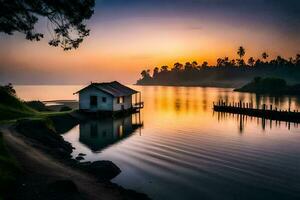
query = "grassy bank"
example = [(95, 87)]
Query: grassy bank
[(12, 108)]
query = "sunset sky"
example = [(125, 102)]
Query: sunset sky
[(130, 35)]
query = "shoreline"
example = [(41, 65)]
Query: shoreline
[(192, 85), (44, 167)]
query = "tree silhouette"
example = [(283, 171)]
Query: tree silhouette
[(66, 19), (205, 64), (251, 61), (164, 68), (241, 52), (264, 55), (225, 71), (177, 67), (155, 72)]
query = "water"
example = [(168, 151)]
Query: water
[(178, 148)]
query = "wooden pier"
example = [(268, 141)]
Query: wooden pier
[(273, 113)]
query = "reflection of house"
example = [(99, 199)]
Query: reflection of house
[(110, 97), (98, 134)]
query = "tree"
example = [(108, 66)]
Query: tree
[(205, 64), (155, 72), (194, 64), (251, 61), (188, 66), (66, 19), (297, 60), (264, 55), (9, 89), (164, 68), (241, 52), (145, 74), (177, 67)]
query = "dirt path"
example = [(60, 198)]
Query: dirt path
[(40, 171)]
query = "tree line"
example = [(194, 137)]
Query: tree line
[(229, 71)]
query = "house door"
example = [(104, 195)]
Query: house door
[(93, 101)]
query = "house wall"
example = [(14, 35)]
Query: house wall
[(84, 100), (127, 103)]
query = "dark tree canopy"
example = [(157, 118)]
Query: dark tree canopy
[(66, 19)]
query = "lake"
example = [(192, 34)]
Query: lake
[(179, 148)]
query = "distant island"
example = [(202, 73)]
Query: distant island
[(226, 73), (270, 86)]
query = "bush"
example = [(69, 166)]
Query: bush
[(37, 105), (65, 108)]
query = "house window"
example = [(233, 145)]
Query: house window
[(93, 101), (120, 100), (104, 99), (120, 130)]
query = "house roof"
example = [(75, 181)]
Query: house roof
[(114, 89)]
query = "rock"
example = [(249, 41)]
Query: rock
[(79, 158), (65, 186), (82, 154), (103, 170)]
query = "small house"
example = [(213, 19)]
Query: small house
[(109, 97)]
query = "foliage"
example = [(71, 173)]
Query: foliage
[(66, 19), (9, 89), (231, 71), (12, 107), (269, 85), (37, 105), (65, 108)]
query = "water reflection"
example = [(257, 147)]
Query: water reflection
[(99, 134), (243, 120)]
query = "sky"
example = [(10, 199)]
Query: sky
[(128, 36)]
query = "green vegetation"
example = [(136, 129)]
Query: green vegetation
[(37, 105), (227, 72), (12, 108), (9, 169), (269, 86)]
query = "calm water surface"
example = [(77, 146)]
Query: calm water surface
[(178, 148)]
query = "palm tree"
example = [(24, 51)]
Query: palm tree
[(194, 64), (264, 55), (177, 67), (205, 64), (145, 73), (164, 68), (241, 52), (251, 61), (155, 72)]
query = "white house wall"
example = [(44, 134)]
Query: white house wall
[(84, 100), (127, 103)]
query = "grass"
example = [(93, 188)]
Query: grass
[(12, 109), (9, 169)]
